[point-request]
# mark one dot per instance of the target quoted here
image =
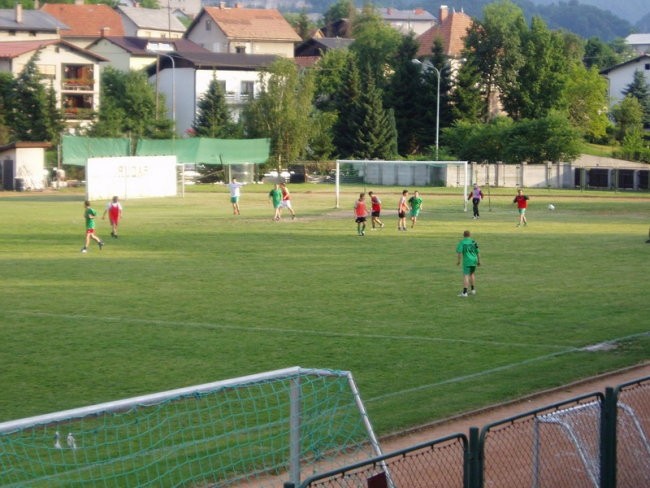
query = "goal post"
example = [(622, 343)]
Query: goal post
[(404, 173), (284, 423)]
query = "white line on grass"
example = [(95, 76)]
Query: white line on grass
[(485, 372), (320, 333)]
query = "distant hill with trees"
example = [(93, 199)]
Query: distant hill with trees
[(587, 18)]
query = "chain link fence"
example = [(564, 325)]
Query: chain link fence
[(599, 440)]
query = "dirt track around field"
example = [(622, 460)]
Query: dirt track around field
[(482, 417)]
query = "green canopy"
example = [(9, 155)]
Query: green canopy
[(77, 150), (208, 151)]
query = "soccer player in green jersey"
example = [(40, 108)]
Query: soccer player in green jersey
[(416, 205), (89, 216), (467, 250), (275, 196)]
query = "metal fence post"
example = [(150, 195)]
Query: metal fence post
[(473, 463), (608, 421)]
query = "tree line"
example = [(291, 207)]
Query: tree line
[(522, 92)]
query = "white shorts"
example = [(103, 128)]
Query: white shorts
[(286, 204)]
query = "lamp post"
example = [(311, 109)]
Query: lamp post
[(428, 65), (158, 53)]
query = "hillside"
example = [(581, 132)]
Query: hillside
[(630, 10)]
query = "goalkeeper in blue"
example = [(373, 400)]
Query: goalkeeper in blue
[(467, 252)]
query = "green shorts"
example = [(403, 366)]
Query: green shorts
[(234, 199), (415, 213), (468, 270), (522, 211)]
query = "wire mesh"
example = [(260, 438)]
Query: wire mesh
[(437, 464), (549, 448), (633, 435)]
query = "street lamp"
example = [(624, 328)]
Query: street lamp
[(428, 65)]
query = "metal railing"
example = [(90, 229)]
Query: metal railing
[(598, 440)]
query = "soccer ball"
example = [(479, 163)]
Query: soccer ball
[(551, 206)]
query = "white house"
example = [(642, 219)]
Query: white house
[(184, 80), (244, 31), (72, 72), (150, 23), (417, 20), (620, 76), (639, 42)]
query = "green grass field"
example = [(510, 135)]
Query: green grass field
[(191, 294)]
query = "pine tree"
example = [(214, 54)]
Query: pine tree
[(27, 114), (467, 99), (346, 102), (55, 121), (213, 119), (640, 90), (404, 96), (376, 134)]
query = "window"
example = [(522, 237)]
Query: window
[(240, 49), (78, 77), (247, 90), (208, 24), (647, 66), (76, 106)]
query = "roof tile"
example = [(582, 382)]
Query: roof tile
[(86, 20), (251, 23), (452, 31)]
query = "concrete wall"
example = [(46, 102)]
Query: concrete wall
[(587, 171)]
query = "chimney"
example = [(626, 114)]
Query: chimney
[(105, 31), (37, 5), (444, 12), (78, 2), (19, 13), (222, 5)]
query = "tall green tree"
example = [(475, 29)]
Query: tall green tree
[(376, 44), (599, 54), (283, 111), (346, 101), (213, 118), (6, 85), (55, 121), (628, 116), (541, 74), (585, 97), (640, 90), (329, 77), (468, 100), (493, 49), (28, 107), (376, 135), (404, 96), (128, 108)]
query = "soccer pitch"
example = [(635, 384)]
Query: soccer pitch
[(191, 294)]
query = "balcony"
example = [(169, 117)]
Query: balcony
[(78, 84), (72, 113), (235, 98)]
